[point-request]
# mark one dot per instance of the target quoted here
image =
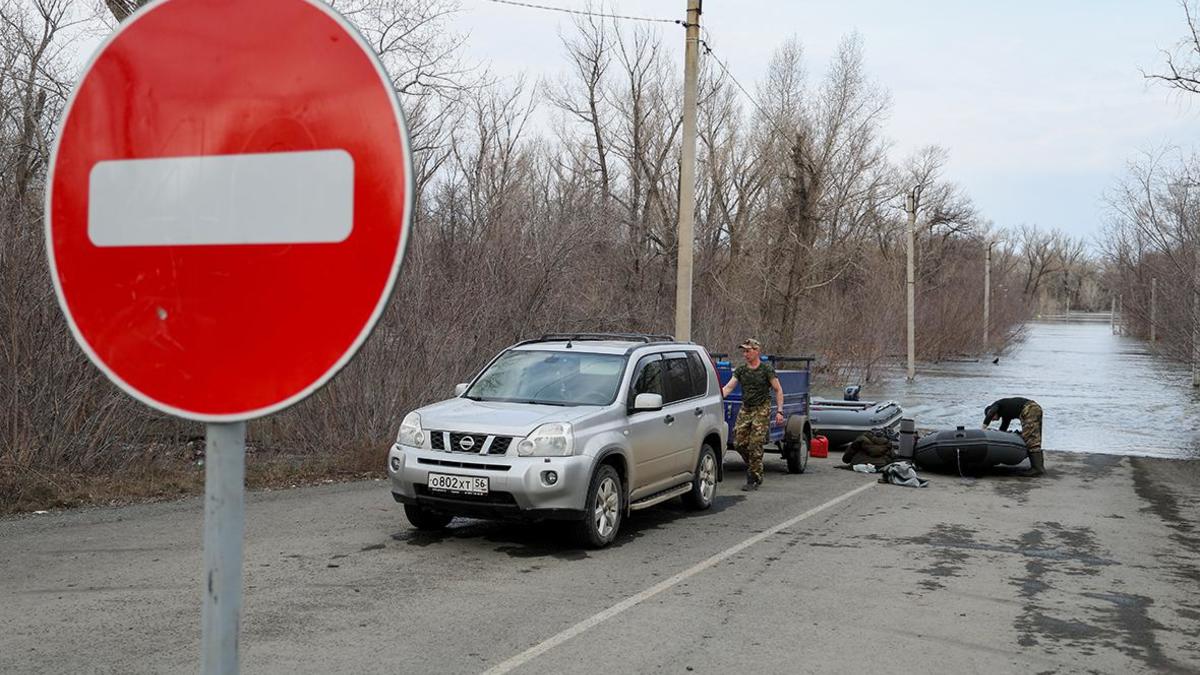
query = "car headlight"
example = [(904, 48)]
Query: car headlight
[(411, 432), (549, 440)]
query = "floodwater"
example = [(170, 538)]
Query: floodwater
[(1099, 392)]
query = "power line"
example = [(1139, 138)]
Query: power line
[(587, 13), (708, 52)]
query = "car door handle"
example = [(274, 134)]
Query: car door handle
[(699, 412), (669, 418)]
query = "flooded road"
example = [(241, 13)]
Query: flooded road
[(1101, 392)]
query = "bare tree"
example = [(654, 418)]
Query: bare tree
[(647, 126), (834, 164), (736, 174), (57, 407), (121, 9), (1041, 257), (583, 94), (1183, 61)]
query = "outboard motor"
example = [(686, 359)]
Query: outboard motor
[(851, 393)]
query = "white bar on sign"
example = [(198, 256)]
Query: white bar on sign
[(266, 198)]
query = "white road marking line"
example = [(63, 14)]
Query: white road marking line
[(257, 198), (545, 646)]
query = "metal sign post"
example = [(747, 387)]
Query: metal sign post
[(224, 529)]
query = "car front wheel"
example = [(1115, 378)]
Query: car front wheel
[(602, 509)]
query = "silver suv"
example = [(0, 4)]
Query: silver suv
[(583, 427)]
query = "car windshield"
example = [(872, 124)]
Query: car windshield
[(550, 378)]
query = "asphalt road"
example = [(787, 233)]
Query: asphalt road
[(1094, 568)]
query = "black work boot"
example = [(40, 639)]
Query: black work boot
[(1037, 464), (752, 484)]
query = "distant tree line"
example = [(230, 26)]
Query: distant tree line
[(1150, 248), (1151, 240), (551, 206)]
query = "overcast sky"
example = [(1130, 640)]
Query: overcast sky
[(1039, 103)]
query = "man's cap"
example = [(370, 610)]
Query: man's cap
[(750, 343)]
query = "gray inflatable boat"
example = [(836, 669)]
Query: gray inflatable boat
[(964, 450), (843, 421)]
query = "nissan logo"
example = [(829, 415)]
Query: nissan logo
[(466, 443)]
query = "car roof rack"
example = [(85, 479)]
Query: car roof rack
[(576, 337)]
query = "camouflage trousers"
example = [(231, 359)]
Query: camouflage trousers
[(1031, 426), (749, 436)]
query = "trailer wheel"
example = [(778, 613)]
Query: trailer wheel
[(795, 444)]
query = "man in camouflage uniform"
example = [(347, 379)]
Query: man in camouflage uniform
[(750, 431), (1030, 415)]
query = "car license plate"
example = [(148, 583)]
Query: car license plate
[(469, 485)]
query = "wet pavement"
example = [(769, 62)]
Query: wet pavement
[(1101, 392), (1094, 568)]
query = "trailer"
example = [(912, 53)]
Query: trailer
[(793, 438)]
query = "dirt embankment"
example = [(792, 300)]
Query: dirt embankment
[(26, 489)]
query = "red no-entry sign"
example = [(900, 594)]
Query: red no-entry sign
[(228, 203)]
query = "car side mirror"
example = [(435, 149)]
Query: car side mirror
[(644, 402), (460, 389)]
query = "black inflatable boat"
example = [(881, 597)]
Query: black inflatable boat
[(964, 450), (843, 421)]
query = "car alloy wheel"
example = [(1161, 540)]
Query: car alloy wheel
[(608, 507), (603, 510), (708, 478), (704, 482)]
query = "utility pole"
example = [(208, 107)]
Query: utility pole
[(687, 175), (987, 294), (1196, 304), (911, 205), (1153, 310)]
